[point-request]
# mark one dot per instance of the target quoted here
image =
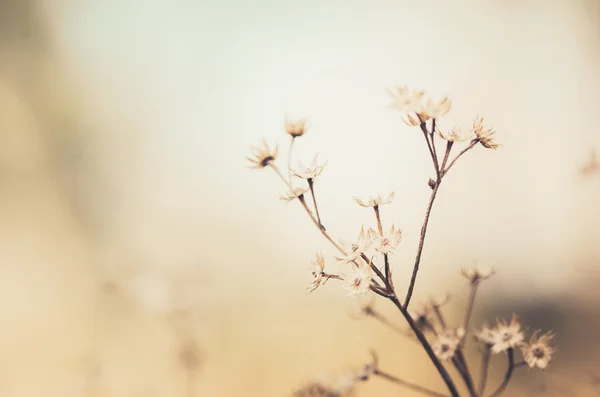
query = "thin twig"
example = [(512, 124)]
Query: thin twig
[(312, 192), (487, 355), (508, 375), (447, 154), (464, 371), (435, 156), (290, 161), (425, 343), (388, 271), (431, 152), (308, 211), (470, 304), (379, 225), (439, 315), (413, 279), (409, 385), (471, 146)]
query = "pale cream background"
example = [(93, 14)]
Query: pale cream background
[(124, 129)]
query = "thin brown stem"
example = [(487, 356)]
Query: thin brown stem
[(470, 304), (464, 371), (308, 211), (471, 146), (374, 268), (426, 135), (435, 156), (508, 375), (406, 384), (429, 138), (311, 185), (388, 271), (413, 279), (379, 225), (485, 364), (290, 160), (425, 343), (449, 145), (439, 315)]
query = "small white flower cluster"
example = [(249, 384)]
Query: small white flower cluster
[(358, 281), (509, 335), (366, 262), (416, 111)]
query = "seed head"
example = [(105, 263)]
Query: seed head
[(476, 275), (387, 243), (310, 172), (355, 251), (508, 335), (292, 194), (435, 110), (295, 128), (538, 352), (485, 136), (376, 201), (263, 156)]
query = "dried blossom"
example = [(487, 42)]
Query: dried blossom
[(318, 272), (435, 110), (310, 172), (295, 128), (358, 283), (446, 343), (421, 317), (376, 201), (484, 136), (456, 134), (263, 155), (407, 100), (476, 275), (538, 352), (293, 194), (508, 335), (355, 251), (411, 120), (486, 335), (387, 243)]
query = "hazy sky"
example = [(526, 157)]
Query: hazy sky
[(196, 83), (173, 93)]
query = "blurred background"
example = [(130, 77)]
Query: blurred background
[(139, 256)]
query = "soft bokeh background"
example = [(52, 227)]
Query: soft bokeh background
[(140, 257)]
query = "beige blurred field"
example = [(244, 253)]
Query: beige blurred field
[(125, 194)]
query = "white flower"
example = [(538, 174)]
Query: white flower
[(486, 335), (295, 128), (538, 352), (485, 136), (358, 283), (318, 272), (387, 243), (376, 201), (356, 250), (406, 100), (263, 156), (507, 335), (310, 172), (292, 194), (434, 110), (446, 343), (458, 133), (476, 275)]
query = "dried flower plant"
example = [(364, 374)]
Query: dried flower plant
[(362, 277)]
